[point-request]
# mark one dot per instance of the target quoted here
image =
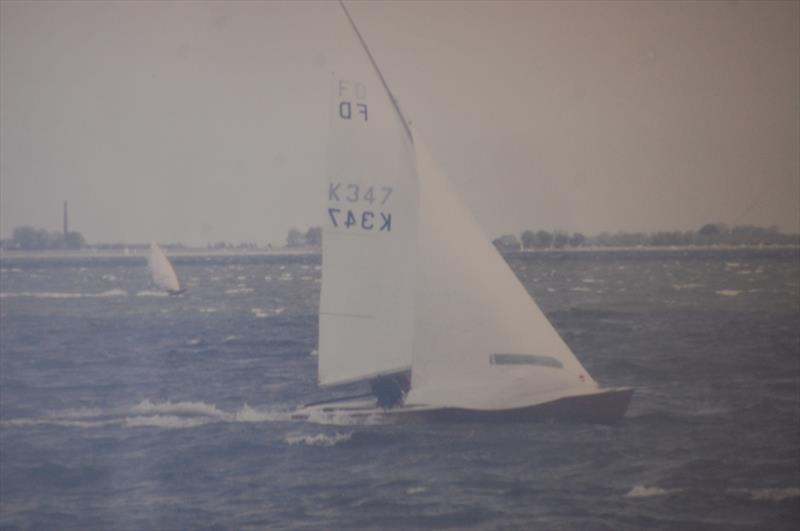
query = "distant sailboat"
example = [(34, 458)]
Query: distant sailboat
[(410, 286), (162, 272)]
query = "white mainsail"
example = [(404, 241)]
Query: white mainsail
[(432, 292), (370, 228), (161, 270)]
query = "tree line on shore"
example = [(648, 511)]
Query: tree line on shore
[(29, 238), (708, 234)]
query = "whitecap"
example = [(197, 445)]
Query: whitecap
[(258, 313), (691, 285), (55, 295), (320, 439), (146, 407), (268, 278), (233, 291), (228, 339), (770, 494), (66, 423), (641, 491), (416, 490), (109, 278), (164, 421), (249, 414), (152, 294), (207, 310), (580, 289), (78, 413), (314, 353), (728, 292), (342, 418)]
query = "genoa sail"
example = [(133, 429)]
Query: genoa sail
[(161, 270), (481, 342)]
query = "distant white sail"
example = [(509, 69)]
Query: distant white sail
[(161, 270)]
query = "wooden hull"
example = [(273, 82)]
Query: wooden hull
[(604, 407)]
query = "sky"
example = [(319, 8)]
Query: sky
[(199, 122)]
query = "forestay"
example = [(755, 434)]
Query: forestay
[(370, 226)]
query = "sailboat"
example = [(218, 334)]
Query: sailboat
[(162, 272), (415, 300)]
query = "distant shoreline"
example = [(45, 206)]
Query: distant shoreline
[(60, 254), (12, 255)]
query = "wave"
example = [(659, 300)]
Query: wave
[(65, 423), (79, 413), (249, 414), (188, 414), (152, 294), (260, 313), (641, 491), (56, 295), (343, 418), (147, 407), (728, 292), (165, 421), (320, 439), (769, 494), (234, 291), (184, 414), (690, 285)]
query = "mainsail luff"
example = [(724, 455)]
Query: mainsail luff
[(368, 245)]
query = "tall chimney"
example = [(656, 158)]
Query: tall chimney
[(66, 223)]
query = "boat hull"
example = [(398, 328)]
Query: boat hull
[(604, 407)]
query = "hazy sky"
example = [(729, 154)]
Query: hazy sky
[(207, 121)]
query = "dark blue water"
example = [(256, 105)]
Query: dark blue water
[(123, 409)]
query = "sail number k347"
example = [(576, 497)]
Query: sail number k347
[(359, 219)]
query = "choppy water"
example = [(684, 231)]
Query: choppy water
[(124, 409)]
